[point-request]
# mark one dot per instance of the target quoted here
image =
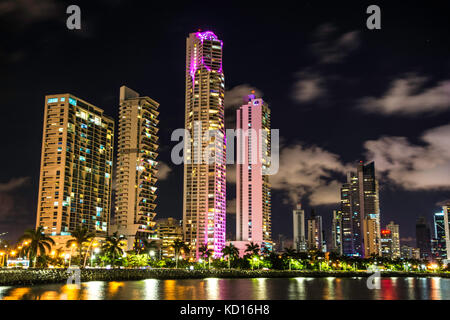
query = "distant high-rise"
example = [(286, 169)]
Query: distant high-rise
[(336, 232), (439, 245), (298, 216), (386, 243), (168, 230), (423, 238), (395, 235), (446, 212), (204, 197), (406, 252), (361, 212), (76, 167), (136, 167), (315, 233)]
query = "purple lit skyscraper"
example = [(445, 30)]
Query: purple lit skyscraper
[(204, 182)]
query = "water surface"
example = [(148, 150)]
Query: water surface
[(238, 289)]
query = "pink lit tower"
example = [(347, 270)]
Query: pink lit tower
[(253, 205), (204, 216)]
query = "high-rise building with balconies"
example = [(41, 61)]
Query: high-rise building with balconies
[(136, 167), (76, 168), (204, 194)]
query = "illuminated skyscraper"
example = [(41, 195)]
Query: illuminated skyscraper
[(76, 167), (298, 216), (336, 232), (136, 167), (253, 206), (204, 198), (386, 243), (446, 213), (315, 232), (439, 245), (361, 212)]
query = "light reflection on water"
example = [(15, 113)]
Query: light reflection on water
[(330, 288)]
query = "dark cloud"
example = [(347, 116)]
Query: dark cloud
[(29, 11), (14, 183), (329, 47), (410, 96)]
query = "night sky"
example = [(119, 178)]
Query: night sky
[(339, 93)]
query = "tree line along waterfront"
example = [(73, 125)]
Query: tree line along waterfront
[(108, 260)]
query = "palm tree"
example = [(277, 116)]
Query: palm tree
[(38, 243), (80, 237), (252, 248), (179, 246), (231, 252), (289, 253), (144, 245), (205, 253), (265, 250), (112, 246)]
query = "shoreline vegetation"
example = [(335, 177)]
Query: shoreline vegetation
[(19, 277)]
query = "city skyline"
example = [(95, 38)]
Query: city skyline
[(19, 200)]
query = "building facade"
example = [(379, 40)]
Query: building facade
[(76, 168), (315, 232), (253, 205), (136, 167), (386, 243), (361, 212), (423, 238), (439, 247), (298, 216), (395, 235), (336, 232), (204, 186), (168, 230), (446, 213)]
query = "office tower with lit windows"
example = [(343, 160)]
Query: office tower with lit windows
[(76, 166), (386, 243), (168, 230), (315, 232), (361, 212), (439, 247), (253, 206), (204, 194), (336, 232), (423, 238), (395, 235), (136, 167), (298, 216)]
